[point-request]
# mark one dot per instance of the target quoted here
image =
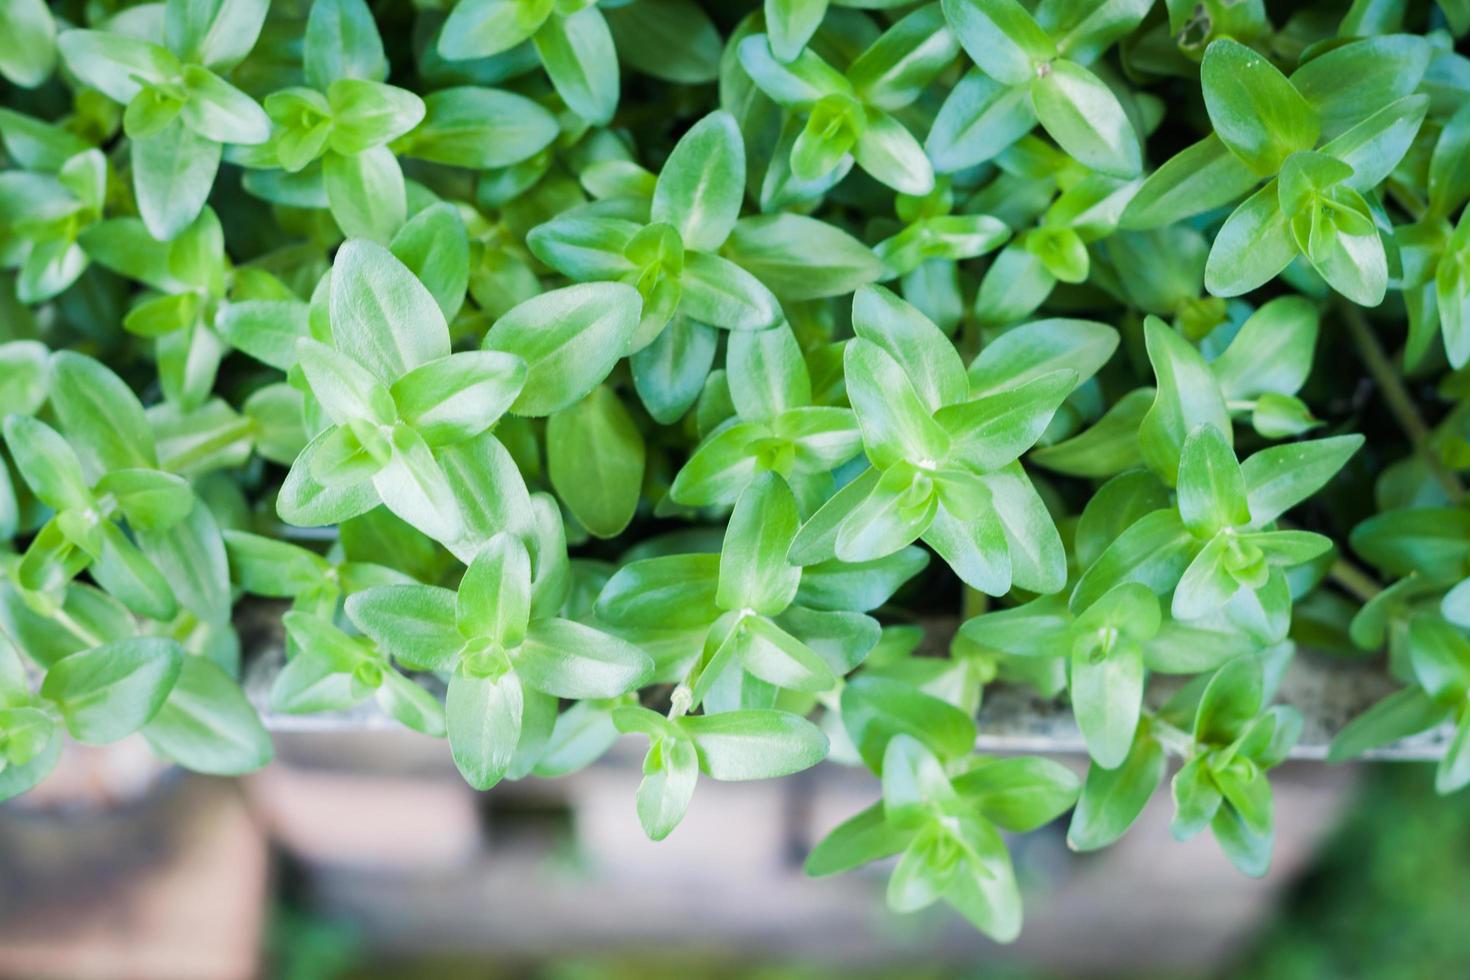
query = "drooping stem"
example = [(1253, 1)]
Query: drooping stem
[(1396, 396)]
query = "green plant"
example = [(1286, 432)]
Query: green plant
[(556, 374)]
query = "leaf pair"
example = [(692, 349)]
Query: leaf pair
[(776, 428), (392, 393), (105, 472), (943, 462), (849, 117), (670, 251), (946, 830), (1033, 71), (731, 745), (46, 207), (741, 608), (1223, 785), (179, 108), (510, 656), (574, 45), (1439, 657)]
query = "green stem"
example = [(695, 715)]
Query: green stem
[(1400, 404), (1353, 580), (1175, 740)]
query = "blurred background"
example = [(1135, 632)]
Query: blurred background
[(363, 855)]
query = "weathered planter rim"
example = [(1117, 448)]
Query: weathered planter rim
[(1013, 719)]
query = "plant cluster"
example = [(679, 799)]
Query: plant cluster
[(580, 369)]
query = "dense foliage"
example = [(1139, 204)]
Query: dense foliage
[(577, 369)]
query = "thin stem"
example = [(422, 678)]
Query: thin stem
[(1174, 739), (1353, 580), (1400, 404)]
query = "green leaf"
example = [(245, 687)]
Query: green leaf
[(583, 733), (366, 193), (896, 422), (410, 705), (804, 80), (28, 49), (1112, 799), (791, 24), (480, 128), (570, 660), (979, 119), (1199, 178), (218, 111), (1272, 352), (341, 41), (740, 745), (484, 724), (669, 775), (1231, 700), (1280, 477), (1108, 448), (47, 463), (876, 709), (570, 339), (669, 592), (767, 374), (368, 114), (1440, 656), (701, 185), (1254, 245), (1403, 713), (1153, 551), (1001, 37), (799, 257), (887, 515), (457, 397), (1085, 118), (913, 342), (721, 293), (859, 840), (1020, 794), (1256, 111), (1187, 397), (895, 69), (578, 54), (173, 172), (191, 555), (670, 372), (116, 65), (414, 624), (436, 249), (595, 459), (207, 725), (1349, 83), (381, 315), (1107, 694), (1453, 771), (1449, 178), (892, 155), (484, 28), (674, 40), (754, 572), (1212, 492), (112, 690), (215, 33), (495, 594), (1040, 348), (993, 430)]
